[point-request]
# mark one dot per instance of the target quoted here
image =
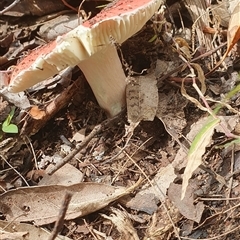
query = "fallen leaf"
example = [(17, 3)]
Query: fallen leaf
[(233, 34), (201, 78), (42, 204), (67, 175), (163, 67), (233, 28), (19, 100), (4, 235), (186, 206), (79, 136), (58, 26), (148, 197), (32, 231), (36, 113), (171, 112), (160, 224), (197, 149), (183, 46), (142, 98), (144, 202), (34, 8)]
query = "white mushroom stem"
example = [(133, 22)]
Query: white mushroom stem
[(105, 75)]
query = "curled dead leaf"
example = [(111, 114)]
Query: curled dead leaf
[(36, 113), (233, 34)]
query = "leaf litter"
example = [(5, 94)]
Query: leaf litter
[(165, 139)]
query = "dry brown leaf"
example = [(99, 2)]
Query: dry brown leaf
[(35, 7), (67, 175), (12, 236), (142, 98), (233, 34), (148, 197), (58, 26), (32, 231), (234, 28), (201, 77), (42, 204), (160, 225), (183, 46), (79, 136), (187, 207), (171, 112), (19, 100), (36, 113)]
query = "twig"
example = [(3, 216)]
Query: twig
[(229, 175), (231, 179), (33, 152), (90, 229), (96, 130), (32, 125), (18, 173), (128, 136), (69, 6), (59, 223), (9, 7), (126, 164), (184, 64), (82, 15)]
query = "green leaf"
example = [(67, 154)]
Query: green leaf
[(9, 117), (152, 39), (7, 121), (11, 128), (7, 127), (229, 144)]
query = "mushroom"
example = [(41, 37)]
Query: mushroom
[(90, 46)]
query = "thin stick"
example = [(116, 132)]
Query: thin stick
[(90, 230), (18, 173), (33, 152), (32, 126), (96, 130), (231, 179), (59, 223), (69, 6), (165, 76), (9, 7)]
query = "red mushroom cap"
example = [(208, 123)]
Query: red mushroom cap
[(121, 8), (91, 47), (117, 22)]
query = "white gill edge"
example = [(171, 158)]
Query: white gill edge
[(81, 43)]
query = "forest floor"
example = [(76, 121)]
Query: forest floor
[(172, 173)]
